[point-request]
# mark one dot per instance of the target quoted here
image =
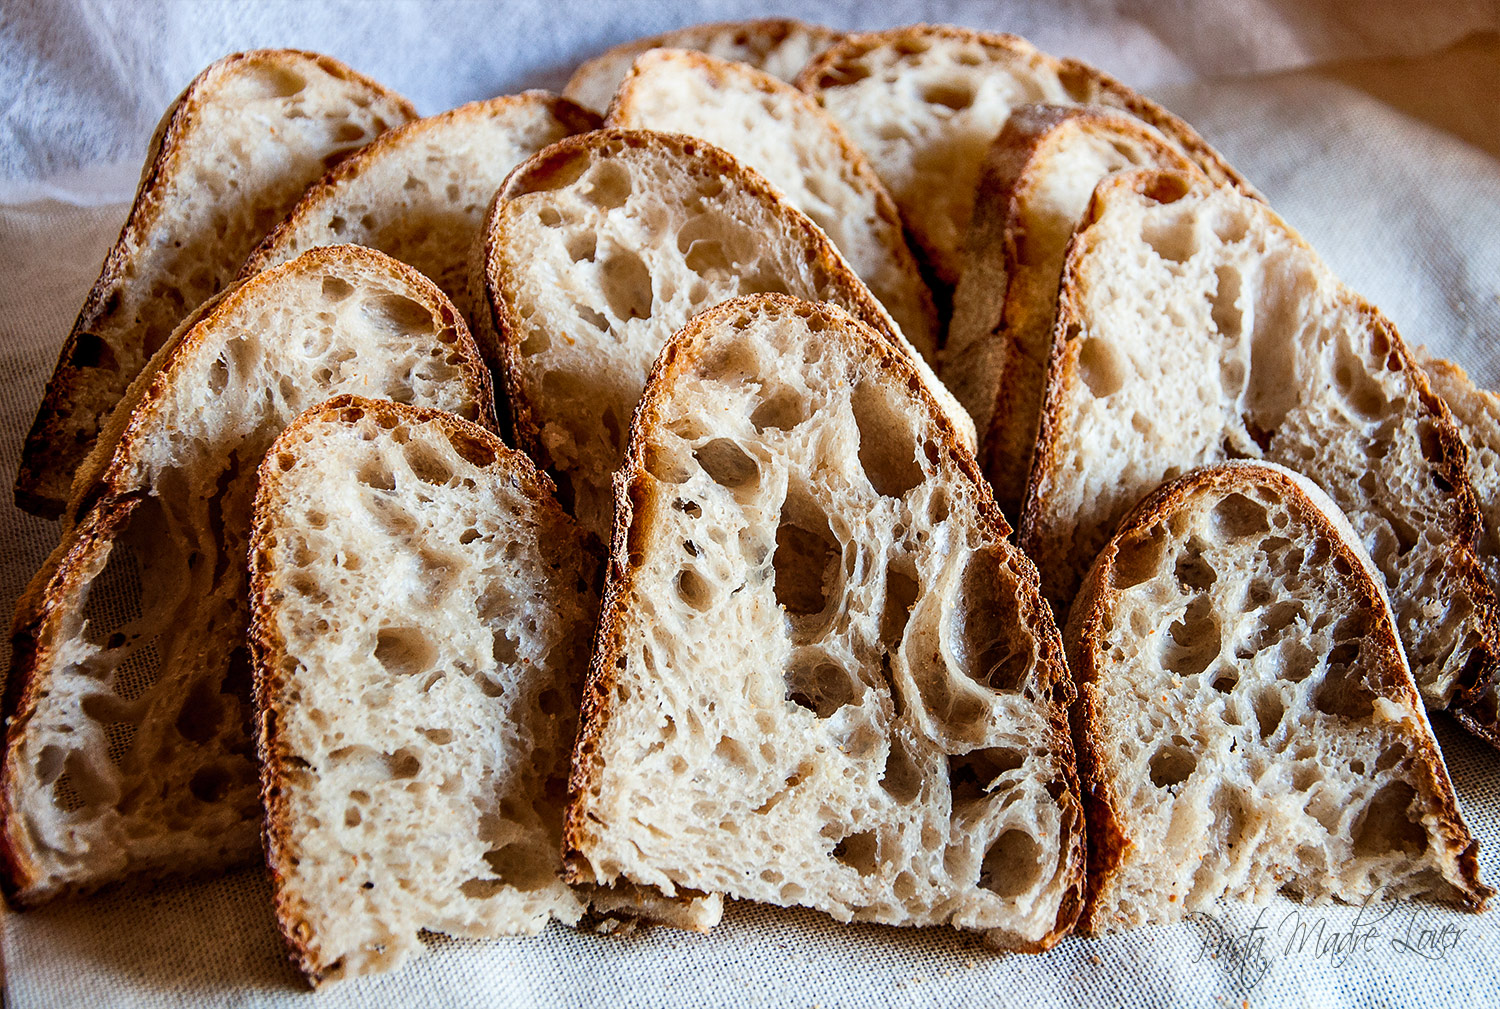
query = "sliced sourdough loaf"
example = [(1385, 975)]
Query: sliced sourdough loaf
[(1194, 326), (127, 745), (230, 157), (779, 46), (1246, 722), (781, 133), (1477, 414), (1034, 187), (598, 249), (422, 610), (926, 101), (420, 192), (822, 676)]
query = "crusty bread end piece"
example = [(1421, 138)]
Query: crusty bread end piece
[(779, 46), (1476, 412), (1246, 721), (420, 192), (783, 134), (1194, 326), (925, 102), (822, 676), (230, 157), (1034, 186), (127, 751), (422, 610)]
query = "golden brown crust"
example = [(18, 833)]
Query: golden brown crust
[(501, 328), (101, 508), (575, 117), (269, 649), (53, 447), (633, 503), (1093, 612)]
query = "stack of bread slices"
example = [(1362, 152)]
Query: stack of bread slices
[(904, 474)]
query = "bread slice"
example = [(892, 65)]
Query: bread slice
[(598, 249), (1476, 412), (1246, 722), (779, 46), (230, 157), (422, 609), (926, 101), (822, 675), (1194, 326), (1034, 187), (420, 192), (781, 133), (127, 749)]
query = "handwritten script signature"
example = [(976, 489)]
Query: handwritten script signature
[(1378, 930)]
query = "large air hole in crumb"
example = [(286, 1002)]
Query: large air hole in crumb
[(806, 564), (1193, 570), (1170, 236), (82, 785), (901, 779), (820, 685), (426, 465), (521, 867), (900, 596), (782, 410), (1172, 765), (1342, 691), (262, 81), (1269, 710), (1387, 823), (956, 94), (728, 465), (1012, 865), (1237, 516), (1194, 640), (210, 784), (996, 646), (627, 285), (1138, 557), (694, 589), (1224, 302), (396, 313), (402, 764), (609, 185), (971, 774), (887, 448), (1101, 368), (199, 717), (859, 852), (404, 650)]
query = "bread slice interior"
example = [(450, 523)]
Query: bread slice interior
[(421, 191), (784, 135), (598, 249), (128, 751), (229, 158), (1034, 187), (1246, 721), (1194, 326), (422, 611), (822, 676)]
